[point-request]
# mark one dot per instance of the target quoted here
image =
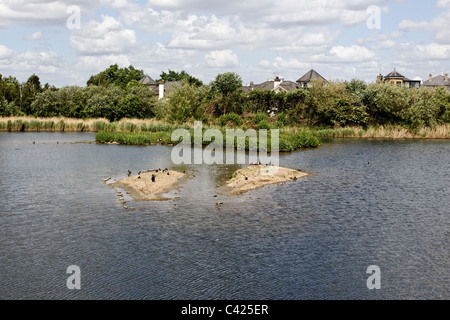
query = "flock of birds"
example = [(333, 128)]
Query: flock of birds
[(153, 175)]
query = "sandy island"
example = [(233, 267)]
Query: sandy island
[(257, 176), (142, 188)]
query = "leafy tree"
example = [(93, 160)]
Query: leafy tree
[(11, 90), (186, 101), (356, 88), (146, 98), (47, 104), (129, 107), (385, 103), (29, 91), (229, 87), (134, 83), (113, 75), (180, 76), (3, 107), (102, 102)]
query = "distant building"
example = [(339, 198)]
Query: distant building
[(166, 87), (148, 82), (306, 80), (438, 81), (161, 88), (277, 85), (395, 78)]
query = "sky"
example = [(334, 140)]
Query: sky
[(65, 42)]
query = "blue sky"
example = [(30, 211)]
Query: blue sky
[(258, 39)]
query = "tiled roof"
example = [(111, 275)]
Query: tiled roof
[(270, 85), (394, 74), (310, 76), (148, 81), (437, 81)]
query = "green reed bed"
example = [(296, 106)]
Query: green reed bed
[(133, 138), (288, 142)]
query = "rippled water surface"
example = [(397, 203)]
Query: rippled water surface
[(366, 202)]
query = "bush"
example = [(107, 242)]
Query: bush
[(185, 101), (259, 117), (230, 117), (264, 125), (129, 107), (281, 119)]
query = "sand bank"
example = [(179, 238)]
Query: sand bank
[(142, 188), (254, 177)]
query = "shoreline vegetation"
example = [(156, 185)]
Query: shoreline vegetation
[(153, 131)]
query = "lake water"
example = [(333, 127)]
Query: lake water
[(366, 202)]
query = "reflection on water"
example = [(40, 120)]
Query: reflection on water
[(366, 202)]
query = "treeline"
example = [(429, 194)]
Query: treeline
[(115, 93), (330, 104)]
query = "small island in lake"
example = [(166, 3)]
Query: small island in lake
[(257, 176), (149, 185)]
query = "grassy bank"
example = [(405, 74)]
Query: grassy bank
[(31, 124), (151, 131), (288, 141), (386, 132)]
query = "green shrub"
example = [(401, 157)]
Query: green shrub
[(230, 117), (281, 119), (264, 125), (259, 117)]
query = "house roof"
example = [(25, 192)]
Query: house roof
[(310, 76), (148, 81), (168, 86), (437, 81), (394, 74), (270, 85), (289, 85)]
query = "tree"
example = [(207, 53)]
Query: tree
[(47, 104), (146, 98), (129, 107), (113, 75), (180, 76), (29, 91), (186, 101), (228, 86)]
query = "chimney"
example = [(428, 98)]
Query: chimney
[(430, 77), (380, 79), (161, 89), (446, 77), (276, 82)]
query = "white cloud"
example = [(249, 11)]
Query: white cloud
[(95, 64), (6, 52), (438, 26), (40, 12), (432, 51), (409, 25), (222, 59), (34, 36), (281, 12), (101, 38), (354, 53), (443, 4)]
